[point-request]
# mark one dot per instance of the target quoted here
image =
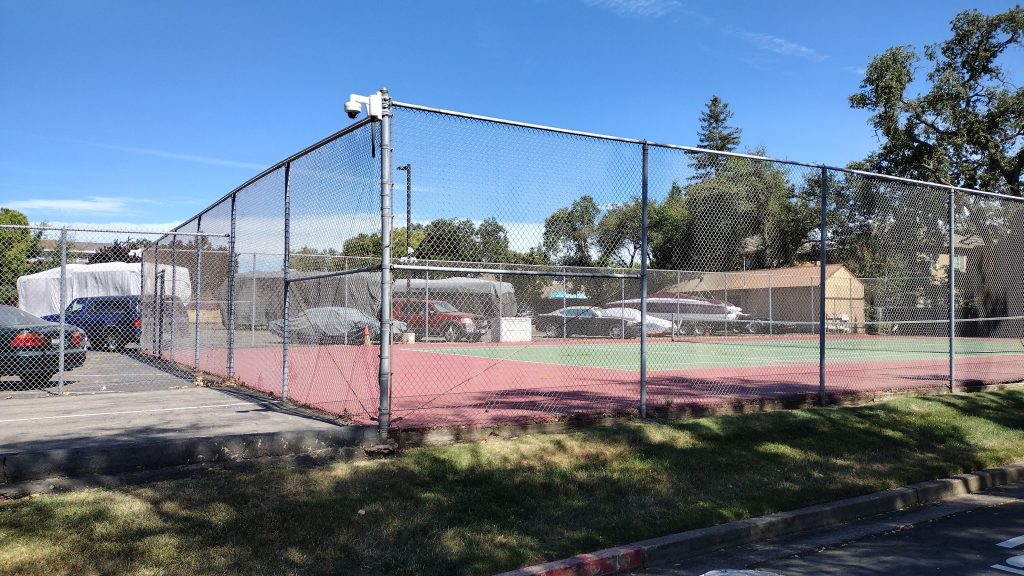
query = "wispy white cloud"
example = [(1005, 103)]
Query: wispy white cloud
[(92, 205), (637, 8), (777, 45), (176, 156), (859, 71), (144, 151)]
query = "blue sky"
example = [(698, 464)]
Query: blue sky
[(145, 112)]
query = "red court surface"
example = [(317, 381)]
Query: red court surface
[(432, 388)]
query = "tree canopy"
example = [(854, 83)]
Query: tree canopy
[(966, 127)]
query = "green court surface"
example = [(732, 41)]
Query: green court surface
[(734, 352)]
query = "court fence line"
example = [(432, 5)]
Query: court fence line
[(546, 241)]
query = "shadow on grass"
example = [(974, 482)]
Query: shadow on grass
[(485, 507)]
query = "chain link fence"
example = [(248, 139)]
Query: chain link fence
[(435, 268), (91, 311)]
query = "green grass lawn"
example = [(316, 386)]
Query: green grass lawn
[(736, 351), (486, 507)]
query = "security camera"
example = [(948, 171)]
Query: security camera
[(353, 109), (374, 105)]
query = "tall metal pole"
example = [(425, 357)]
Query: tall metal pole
[(285, 266), (643, 284), (199, 287), (384, 374), (952, 289), (823, 201), (232, 272), (63, 306), (408, 223)]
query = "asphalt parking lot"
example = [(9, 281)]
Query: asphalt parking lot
[(105, 372)]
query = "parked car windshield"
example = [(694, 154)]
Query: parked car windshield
[(444, 307), (11, 316)]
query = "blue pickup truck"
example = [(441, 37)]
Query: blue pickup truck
[(110, 322)]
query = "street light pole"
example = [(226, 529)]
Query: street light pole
[(408, 224)]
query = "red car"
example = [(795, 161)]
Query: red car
[(430, 318)]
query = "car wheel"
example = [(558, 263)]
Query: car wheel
[(701, 329), (753, 327), (552, 331), (451, 332), (112, 341), (36, 379), (615, 331)]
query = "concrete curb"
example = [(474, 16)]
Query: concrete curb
[(151, 454), (651, 552)]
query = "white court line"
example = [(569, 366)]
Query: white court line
[(139, 411)]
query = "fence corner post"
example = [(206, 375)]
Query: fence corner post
[(285, 273), (643, 282), (384, 372), (232, 272), (822, 280), (63, 306), (951, 280)]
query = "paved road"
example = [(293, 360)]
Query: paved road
[(976, 534)]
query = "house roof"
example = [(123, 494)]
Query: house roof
[(793, 277)]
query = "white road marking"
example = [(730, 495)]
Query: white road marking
[(1012, 542)]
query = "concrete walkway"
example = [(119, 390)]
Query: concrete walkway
[(122, 432)]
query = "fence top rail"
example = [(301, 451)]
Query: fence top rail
[(340, 133), (113, 231), (694, 149)]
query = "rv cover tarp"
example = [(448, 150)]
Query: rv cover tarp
[(259, 296), (39, 293)]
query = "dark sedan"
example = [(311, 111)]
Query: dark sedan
[(585, 321), (30, 347)]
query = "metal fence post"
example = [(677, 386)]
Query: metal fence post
[(199, 287), (622, 308), (565, 294), (823, 201), (161, 288), (643, 282), (952, 289), (285, 266), (677, 323), (384, 374), (771, 317), (232, 271), (156, 276), (63, 305), (252, 305), (174, 291), (725, 285)]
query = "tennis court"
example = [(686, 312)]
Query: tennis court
[(486, 383)]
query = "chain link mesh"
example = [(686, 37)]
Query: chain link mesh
[(518, 292), (118, 334), (988, 262)]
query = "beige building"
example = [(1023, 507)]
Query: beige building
[(781, 294)]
